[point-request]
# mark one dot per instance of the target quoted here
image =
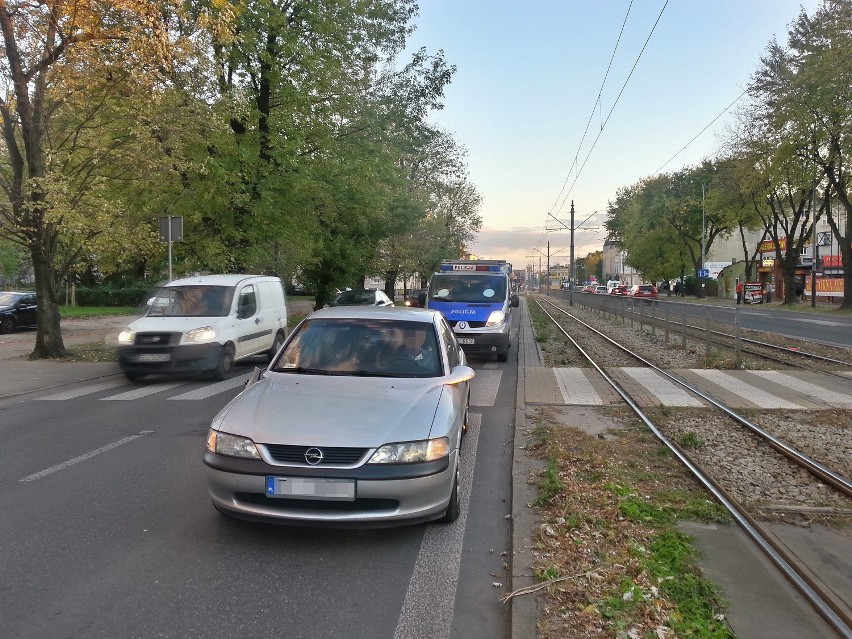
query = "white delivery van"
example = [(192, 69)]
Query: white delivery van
[(204, 324)]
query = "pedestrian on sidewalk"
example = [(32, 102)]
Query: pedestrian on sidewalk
[(769, 289), (739, 292)]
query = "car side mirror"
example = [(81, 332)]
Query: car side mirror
[(513, 301), (255, 376), (460, 374)]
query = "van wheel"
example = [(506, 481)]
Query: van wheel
[(226, 363), (503, 357), (132, 376), (277, 343)]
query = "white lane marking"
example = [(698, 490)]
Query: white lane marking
[(86, 390), (575, 387), (664, 390), (838, 400), (89, 455), (483, 391), (431, 597), (742, 389), (212, 389), (142, 391)]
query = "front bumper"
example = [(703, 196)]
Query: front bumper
[(483, 343), (168, 360), (384, 495)]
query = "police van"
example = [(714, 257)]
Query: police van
[(475, 296)]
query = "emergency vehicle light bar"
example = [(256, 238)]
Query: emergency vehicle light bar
[(471, 267)]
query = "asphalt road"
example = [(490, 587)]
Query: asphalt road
[(107, 531)]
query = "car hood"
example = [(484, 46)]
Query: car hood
[(322, 410)]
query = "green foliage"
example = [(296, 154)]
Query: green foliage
[(550, 485), (106, 296)]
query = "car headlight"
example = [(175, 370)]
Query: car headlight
[(203, 334), (496, 318), (126, 336), (232, 445), (412, 452)]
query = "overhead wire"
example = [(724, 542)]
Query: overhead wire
[(595, 107), (609, 114)]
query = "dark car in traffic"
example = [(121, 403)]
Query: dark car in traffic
[(361, 297), (416, 298), (17, 310)]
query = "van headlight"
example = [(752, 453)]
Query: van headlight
[(203, 334), (496, 318), (126, 336)]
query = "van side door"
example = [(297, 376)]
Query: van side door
[(252, 335)]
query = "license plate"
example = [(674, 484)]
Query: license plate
[(466, 340), (311, 488), (153, 357)]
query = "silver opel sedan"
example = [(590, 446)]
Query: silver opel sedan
[(357, 420)]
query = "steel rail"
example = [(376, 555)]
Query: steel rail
[(785, 349), (796, 572)]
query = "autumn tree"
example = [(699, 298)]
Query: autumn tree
[(803, 93), (67, 68)]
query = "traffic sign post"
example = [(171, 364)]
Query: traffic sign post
[(171, 230)]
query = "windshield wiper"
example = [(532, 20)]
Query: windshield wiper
[(303, 370)]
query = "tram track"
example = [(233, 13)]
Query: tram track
[(836, 613), (802, 357)]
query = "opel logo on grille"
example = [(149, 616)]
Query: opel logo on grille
[(313, 456), (156, 338), (462, 325)]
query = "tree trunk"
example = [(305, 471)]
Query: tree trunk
[(48, 342)]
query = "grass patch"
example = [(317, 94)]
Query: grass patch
[(609, 512), (550, 485), (75, 312), (91, 352), (690, 441)]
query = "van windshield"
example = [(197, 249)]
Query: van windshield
[(191, 301), (457, 287)]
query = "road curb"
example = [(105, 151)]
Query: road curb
[(524, 611)]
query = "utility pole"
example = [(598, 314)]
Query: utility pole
[(571, 263), (547, 290)]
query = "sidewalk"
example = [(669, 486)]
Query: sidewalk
[(22, 376)]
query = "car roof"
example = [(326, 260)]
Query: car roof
[(406, 314), (232, 279)]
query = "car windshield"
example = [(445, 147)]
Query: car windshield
[(457, 287), (362, 347), (354, 298), (191, 301), (9, 299)]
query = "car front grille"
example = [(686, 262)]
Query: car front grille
[(156, 339), (331, 456), (286, 503), (469, 324)]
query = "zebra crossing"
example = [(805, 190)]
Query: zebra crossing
[(483, 389), (777, 390), (758, 389)]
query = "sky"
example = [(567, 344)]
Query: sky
[(556, 101)]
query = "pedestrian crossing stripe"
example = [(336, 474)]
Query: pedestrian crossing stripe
[(738, 389), (571, 386)]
